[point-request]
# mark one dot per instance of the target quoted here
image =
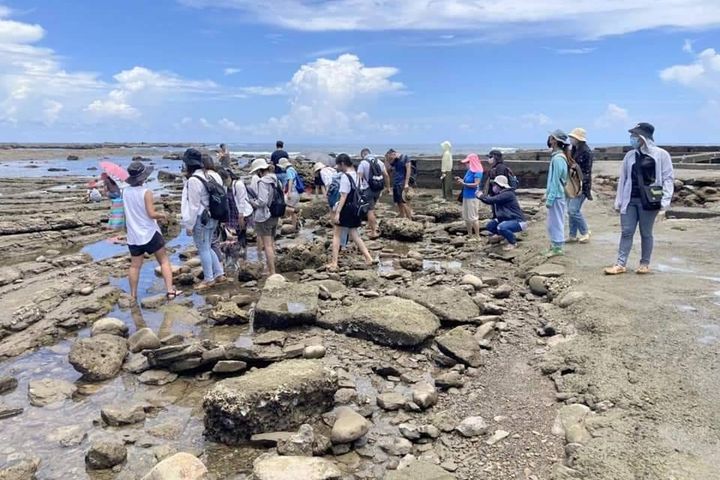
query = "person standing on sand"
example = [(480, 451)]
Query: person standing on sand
[(275, 159), (644, 192), (402, 172), (446, 168), (143, 231), (508, 217), (559, 144), (196, 217), (470, 185), (583, 156), (373, 178), (260, 197), (345, 218)]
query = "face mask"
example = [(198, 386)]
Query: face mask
[(635, 142), (496, 189), (573, 142)]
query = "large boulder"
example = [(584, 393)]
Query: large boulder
[(451, 305), (292, 305), (389, 321), (402, 229), (300, 256), (460, 345), (181, 466), (47, 390), (280, 397), (98, 358), (273, 467), (420, 471)]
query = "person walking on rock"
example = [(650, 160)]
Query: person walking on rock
[(346, 215), (644, 193), (292, 197), (446, 168), (402, 174), (143, 232), (583, 156), (275, 159), (196, 217), (508, 217), (373, 178), (559, 144), (470, 185), (261, 196)]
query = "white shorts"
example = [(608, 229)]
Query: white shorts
[(471, 209)]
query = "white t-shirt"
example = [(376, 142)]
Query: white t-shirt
[(364, 171), (345, 186), (327, 174)]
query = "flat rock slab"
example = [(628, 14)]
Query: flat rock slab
[(280, 397), (420, 471), (549, 270), (274, 467), (451, 305), (695, 213), (291, 305), (391, 321), (460, 345), (47, 390)]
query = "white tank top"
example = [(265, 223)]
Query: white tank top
[(140, 227)]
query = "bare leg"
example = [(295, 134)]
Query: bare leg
[(164, 261), (476, 228), (134, 274), (337, 232), (361, 245), (260, 247), (372, 223), (270, 254)]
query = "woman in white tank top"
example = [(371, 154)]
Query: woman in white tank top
[(143, 232)]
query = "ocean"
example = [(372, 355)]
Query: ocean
[(263, 149)]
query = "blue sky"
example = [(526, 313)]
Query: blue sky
[(314, 71)]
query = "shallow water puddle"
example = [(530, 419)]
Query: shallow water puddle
[(711, 334)]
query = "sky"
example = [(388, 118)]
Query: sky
[(331, 71)]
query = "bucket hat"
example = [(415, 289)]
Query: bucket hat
[(259, 164), (502, 181), (579, 134), (138, 173), (644, 129)]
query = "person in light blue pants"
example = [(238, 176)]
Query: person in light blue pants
[(558, 143), (202, 237)]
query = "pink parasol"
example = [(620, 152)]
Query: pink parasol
[(114, 170)]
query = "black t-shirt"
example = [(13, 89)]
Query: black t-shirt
[(643, 172), (275, 158)]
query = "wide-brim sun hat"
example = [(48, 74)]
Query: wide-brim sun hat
[(259, 164), (644, 129), (284, 163), (560, 136), (579, 134), (318, 166), (193, 158), (502, 181), (138, 173)]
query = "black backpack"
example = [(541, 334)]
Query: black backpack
[(277, 205), (377, 179), (356, 203), (218, 206)]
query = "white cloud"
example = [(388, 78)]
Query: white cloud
[(263, 91), (574, 51), (112, 109), (229, 125), (530, 120), (52, 111), (232, 71), (327, 96), (688, 46), (612, 117), (703, 74), (579, 18)]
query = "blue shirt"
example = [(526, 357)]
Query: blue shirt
[(290, 174), (399, 166), (470, 177), (557, 177)]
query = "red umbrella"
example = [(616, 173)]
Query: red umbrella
[(114, 170)]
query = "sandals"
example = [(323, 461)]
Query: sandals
[(643, 270), (615, 270), (170, 296), (203, 286)]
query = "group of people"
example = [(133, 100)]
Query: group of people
[(644, 191)]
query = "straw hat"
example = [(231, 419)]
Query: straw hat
[(579, 134), (318, 166), (502, 181), (284, 163), (259, 164)]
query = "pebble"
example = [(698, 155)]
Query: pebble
[(391, 401), (497, 436), (472, 427), (313, 351)]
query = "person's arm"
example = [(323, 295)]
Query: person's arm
[(503, 197), (621, 181), (408, 173), (191, 199), (668, 181), (150, 207), (340, 205)]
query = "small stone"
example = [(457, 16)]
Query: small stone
[(8, 411), (143, 339), (473, 281), (69, 436), (299, 444), (109, 325), (345, 395), (409, 431), (503, 291), (275, 337), (348, 427), (47, 391), (118, 415), (449, 380), (180, 466), (314, 351), (136, 363), (20, 469), (497, 436), (391, 401), (7, 384), (571, 298), (229, 366), (424, 395), (537, 285), (154, 302), (157, 377), (105, 454), (472, 427), (549, 270)]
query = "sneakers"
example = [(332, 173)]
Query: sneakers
[(615, 270), (584, 238), (643, 270), (509, 247), (554, 252), (571, 240)]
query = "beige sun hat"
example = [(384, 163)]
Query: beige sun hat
[(259, 164), (318, 166), (579, 134), (284, 163), (502, 180)]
